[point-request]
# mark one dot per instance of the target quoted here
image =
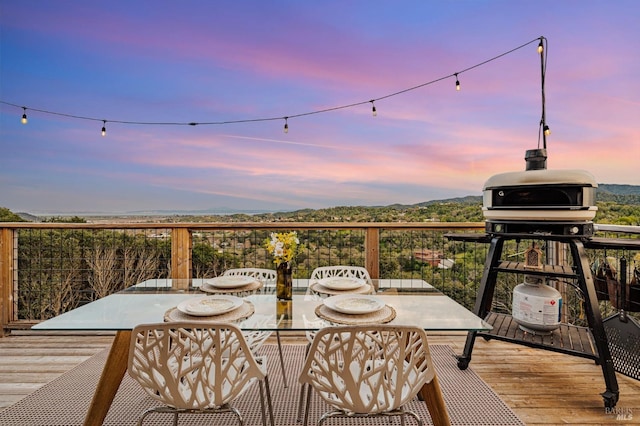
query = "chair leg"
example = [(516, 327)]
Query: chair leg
[(144, 415), (308, 405), (269, 402), (238, 415), (263, 414), (301, 396), (175, 419), (300, 403), (284, 374), (417, 418)]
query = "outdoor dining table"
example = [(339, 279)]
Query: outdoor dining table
[(414, 301)]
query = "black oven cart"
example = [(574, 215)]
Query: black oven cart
[(588, 342)]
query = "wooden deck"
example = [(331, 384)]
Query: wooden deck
[(541, 387)]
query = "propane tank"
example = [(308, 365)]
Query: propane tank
[(536, 306)]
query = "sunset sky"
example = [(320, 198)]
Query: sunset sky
[(150, 67)]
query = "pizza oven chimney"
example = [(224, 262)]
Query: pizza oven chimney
[(536, 159)]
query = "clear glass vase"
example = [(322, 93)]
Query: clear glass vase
[(284, 281), (284, 313)]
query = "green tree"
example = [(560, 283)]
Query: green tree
[(7, 215)]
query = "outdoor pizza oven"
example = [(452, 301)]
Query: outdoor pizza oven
[(538, 200)]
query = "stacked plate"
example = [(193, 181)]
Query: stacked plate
[(354, 304), (341, 285), (210, 305), (230, 281), (231, 284)]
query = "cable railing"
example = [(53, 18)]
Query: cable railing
[(49, 268)]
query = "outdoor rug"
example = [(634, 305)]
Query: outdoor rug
[(64, 401)]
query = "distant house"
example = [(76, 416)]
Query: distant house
[(446, 263), (433, 258), (160, 235)]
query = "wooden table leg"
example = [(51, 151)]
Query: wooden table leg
[(110, 379), (432, 396)]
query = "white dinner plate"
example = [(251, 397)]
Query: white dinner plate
[(230, 281), (341, 283), (354, 303), (210, 305)]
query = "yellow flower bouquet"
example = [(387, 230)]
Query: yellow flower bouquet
[(283, 246)]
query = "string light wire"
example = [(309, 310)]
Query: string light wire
[(303, 114)]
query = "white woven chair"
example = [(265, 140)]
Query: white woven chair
[(338, 271), (367, 370), (328, 272), (341, 271), (256, 338), (266, 276), (196, 368)]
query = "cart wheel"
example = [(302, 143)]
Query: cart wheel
[(463, 363), (610, 399)]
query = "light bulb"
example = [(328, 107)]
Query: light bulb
[(24, 116), (286, 125), (546, 130), (540, 46), (457, 82), (104, 128), (373, 109)]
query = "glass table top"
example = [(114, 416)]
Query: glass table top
[(415, 303)]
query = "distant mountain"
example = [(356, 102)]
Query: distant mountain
[(28, 217), (606, 193), (617, 189), (469, 199), (211, 211), (620, 194)]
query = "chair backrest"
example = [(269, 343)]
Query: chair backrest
[(341, 271), (191, 366), (266, 276), (368, 368)]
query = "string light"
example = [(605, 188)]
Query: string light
[(286, 126), (104, 128), (546, 131), (373, 109), (24, 116)]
